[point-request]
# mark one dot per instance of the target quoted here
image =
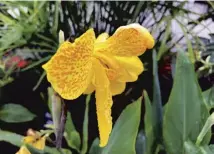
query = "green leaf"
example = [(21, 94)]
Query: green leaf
[(15, 113), (209, 97), (140, 143), (95, 149), (149, 125), (154, 114), (157, 110), (123, 136), (188, 41), (16, 139), (185, 113), (11, 138), (206, 128), (191, 148), (34, 150), (71, 135), (47, 150), (85, 127)]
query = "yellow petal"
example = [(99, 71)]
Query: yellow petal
[(103, 105), (40, 144), (101, 38), (107, 59), (23, 150), (103, 102), (29, 139), (69, 69), (130, 68), (117, 87), (100, 78), (130, 40), (90, 89)]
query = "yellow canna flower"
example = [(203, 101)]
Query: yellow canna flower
[(103, 65), (33, 139)]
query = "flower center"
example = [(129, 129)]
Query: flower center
[(109, 63)]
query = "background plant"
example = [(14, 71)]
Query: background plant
[(29, 30)]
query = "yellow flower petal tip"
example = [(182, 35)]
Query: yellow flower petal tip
[(130, 40), (102, 37), (143, 33), (69, 69), (23, 150)]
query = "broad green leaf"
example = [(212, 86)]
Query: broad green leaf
[(85, 127), (95, 149), (140, 143), (185, 113), (208, 96), (149, 125), (123, 137), (15, 113), (11, 138), (71, 135)]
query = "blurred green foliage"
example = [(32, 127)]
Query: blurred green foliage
[(30, 30)]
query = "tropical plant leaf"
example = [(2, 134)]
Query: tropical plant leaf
[(121, 140), (11, 138), (71, 135), (185, 113), (85, 127), (95, 149), (209, 97), (15, 113)]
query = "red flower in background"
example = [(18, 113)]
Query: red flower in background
[(165, 67), (17, 61)]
